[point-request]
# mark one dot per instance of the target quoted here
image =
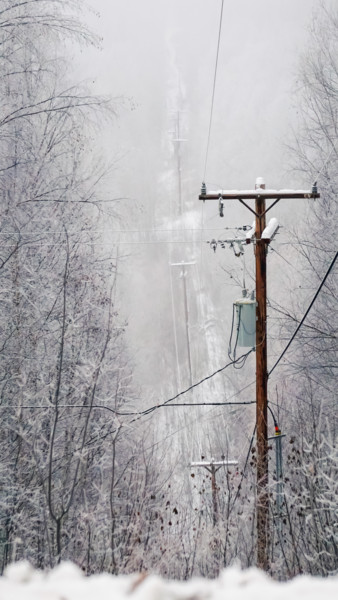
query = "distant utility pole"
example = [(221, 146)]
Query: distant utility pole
[(213, 466), (178, 140), (260, 195), (184, 264)]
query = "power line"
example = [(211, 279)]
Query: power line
[(166, 403), (191, 387), (41, 243), (240, 358), (333, 149), (289, 263), (110, 243), (93, 440), (120, 231), (306, 314), (208, 404), (203, 415), (213, 90), (113, 410)]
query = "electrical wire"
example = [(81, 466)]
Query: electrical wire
[(41, 244), (204, 416), (306, 314), (273, 416), (163, 440), (289, 263), (333, 149), (208, 404), (230, 351), (166, 403), (231, 334), (99, 244), (244, 469), (213, 90), (307, 403), (120, 231), (234, 362), (191, 387)]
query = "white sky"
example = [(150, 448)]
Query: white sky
[(161, 55), (148, 44)]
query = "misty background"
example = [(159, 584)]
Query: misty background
[(121, 376), (158, 59)]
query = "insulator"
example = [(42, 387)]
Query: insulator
[(203, 189)]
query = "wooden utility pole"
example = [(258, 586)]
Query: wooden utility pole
[(262, 508), (213, 466), (260, 195)]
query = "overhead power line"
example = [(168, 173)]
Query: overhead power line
[(207, 404), (119, 231), (147, 411), (306, 313), (213, 89), (240, 359)]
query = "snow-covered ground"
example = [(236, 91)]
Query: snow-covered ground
[(66, 582)]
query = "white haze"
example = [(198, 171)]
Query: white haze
[(160, 55)]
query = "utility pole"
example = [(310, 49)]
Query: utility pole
[(262, 508), (183, 264), (178, 140), (213, 466), (260, 195)]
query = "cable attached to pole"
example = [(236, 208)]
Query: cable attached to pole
[(306, 314), (213, 90)]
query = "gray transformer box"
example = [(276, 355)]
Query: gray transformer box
[(246, 322)]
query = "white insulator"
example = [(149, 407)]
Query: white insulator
[(270, 230)]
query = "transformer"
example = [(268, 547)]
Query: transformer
[(246, 322)]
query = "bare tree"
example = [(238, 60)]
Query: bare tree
[(61, 346), (307, 395)]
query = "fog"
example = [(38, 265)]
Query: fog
[(159, 56), (135, 432), (153, 47)]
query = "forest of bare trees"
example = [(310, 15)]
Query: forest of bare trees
[(81, 476), (307, 397), (62, 350)]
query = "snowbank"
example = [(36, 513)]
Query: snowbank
[(67, 582)]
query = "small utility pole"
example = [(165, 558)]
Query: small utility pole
[(184, 264), (213, 466), (262, 239)]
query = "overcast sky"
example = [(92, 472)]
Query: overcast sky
[(161, 55), (146, 45)]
